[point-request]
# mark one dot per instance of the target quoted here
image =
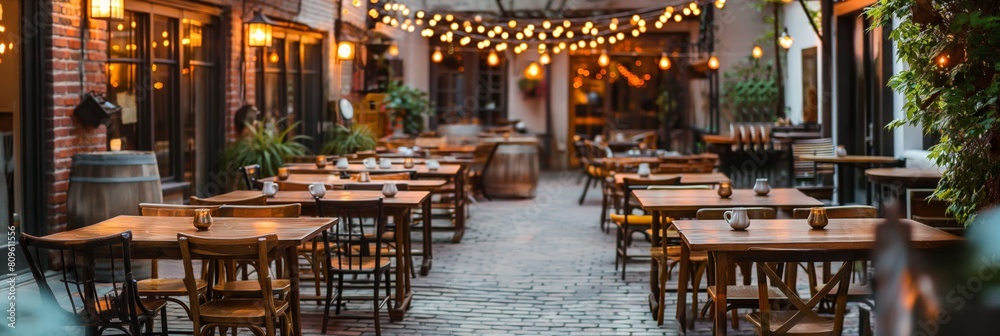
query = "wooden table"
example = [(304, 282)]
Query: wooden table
[(399, 207), (354, 168), (156, 238), (685, 203), (905, 177), (842, 237), (863, 161), (626, 160), (335, 182), (686, 178)]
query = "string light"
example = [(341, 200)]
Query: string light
[(713, 63), (720, 3), (603, 60), (785, 40), (545, 58), (437, 57), (664, 62), (492, 59), (757, 52), (943, 60)]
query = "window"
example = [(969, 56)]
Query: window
[(289, 81), (465, 88), (161, 71)]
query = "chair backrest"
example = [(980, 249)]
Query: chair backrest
[(173, 210), (482, 156), (752, 213), (293, 210), (292, 186), (374, 186), (391, 177), (259, 249), (822, 146), (629, 184), (97, 300), (357, 233), (843, 211), (250, 175), (253, 200), (933, 212)]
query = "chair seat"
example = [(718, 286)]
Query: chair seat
[(670, 234), (238, 310), (747, 294), (632, 219), (359, 263), (166, 287), (808, 325), (695, 256), (278, 287)]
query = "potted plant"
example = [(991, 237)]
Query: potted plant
[(266, 144), (407, 105), (349, 140)]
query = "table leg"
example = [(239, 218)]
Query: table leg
[(654, 278), (295, 297), (403, 294), (721, 282), (428, 256), (682, 287)]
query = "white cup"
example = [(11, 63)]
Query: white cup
[(433, 165), (317, 189), (270, 188), (369, 163), (342, 163), (385, 163)]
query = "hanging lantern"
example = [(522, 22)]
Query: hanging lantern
[(259, 30), (393, 50), (713, 63), (492, 59), (757, 52), (545, 58), (533, 71), (107, 9), (785, 40), (603, 60), (345, 51), (664, 62), (437, 57)]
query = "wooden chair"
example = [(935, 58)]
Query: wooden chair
[(250, 175), (231, 286), (254, 200), (262, 314), (808, 169), (594, 172), (481, 159), (843, 211), (354, 247), (933, 212), (95, 303), (800, 319), (173, 210), (738, 296), (628, 223)]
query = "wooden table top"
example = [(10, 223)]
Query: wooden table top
[(627, 160), (686, 178), (839, 234), (331, 180), (402, 199), (452, 149), (909, 177), (309, 168), (161, 232), (692, 200), (849, 159), (720, 139)]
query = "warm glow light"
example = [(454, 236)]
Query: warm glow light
[(492, 59), (512, 23), (713, 63), (720, 3), (545, 59), (107, 9), (603, 60), (259, 29), (393, 50), (664, 62), (566, 23), (785, 40), (437, 57), (533, 71), (757, 51), (345, 51), (943, 60), (546, 24)]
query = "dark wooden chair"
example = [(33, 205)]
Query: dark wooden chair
[(173, 210), (95, 303), (481, 159), (809, 170), (933, 212), (354, 247), (254, 200), (628, 224), (250, 175), (260, 211), (262, 314)]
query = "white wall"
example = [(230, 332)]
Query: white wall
[(797, 22), (519, 107)]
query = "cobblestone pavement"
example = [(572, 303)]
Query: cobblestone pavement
[(525, 267)]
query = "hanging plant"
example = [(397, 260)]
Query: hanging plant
[(531, 88), (951, 89)]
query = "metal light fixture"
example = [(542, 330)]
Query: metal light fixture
[(757, 51), (603, 60), (107, 9), (345, 51), (785, 40), (713, 63), (259, 29), (437, 57), (492, 59), (664, 62)]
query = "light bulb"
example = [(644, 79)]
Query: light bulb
[(545, 58), (546, 24), (603, 60), (512, 23), (492, 59), (713, 63), (534, 71), (757, 51), (664, 62), (943, 60), (720, 3), (566, 23), (785, 40), (420, 14), (437, 17), (393, 50), (437, 57)]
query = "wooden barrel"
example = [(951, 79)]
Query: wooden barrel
[(103, 185), (513, 172)]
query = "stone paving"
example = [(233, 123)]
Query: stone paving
[(525, 267)]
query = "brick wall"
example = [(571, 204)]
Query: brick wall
[(64, 89)]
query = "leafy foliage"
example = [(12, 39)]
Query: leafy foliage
[(409, 104), (951, 90), (749, 91), (265, 144), (346, 141)]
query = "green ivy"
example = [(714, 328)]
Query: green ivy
[(955, 99), (749, 91), (409, 104)]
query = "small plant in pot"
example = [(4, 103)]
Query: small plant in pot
[(408, 105), (349, 140), (266, 144)]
